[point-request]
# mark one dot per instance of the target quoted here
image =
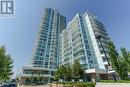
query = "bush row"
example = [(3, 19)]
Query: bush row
[(118, 81)]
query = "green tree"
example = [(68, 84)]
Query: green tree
[(5, 65), (113, 55), (125, 55), (60, 73), (123, 71), (77, 70), (64, 72), (68, 73), (57, 74), (119, 62), (124, 63)]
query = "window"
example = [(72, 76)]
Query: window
[(88, 53), (46, 63), (41, 54), (87, 46), (106, 66), (104, 59), (40, 62), (46, 66), (42, 50), (46, 72), (47, 55)]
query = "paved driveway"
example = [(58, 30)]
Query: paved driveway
[(113, 85)]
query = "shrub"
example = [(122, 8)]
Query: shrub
[(118, 81), (85, 85)]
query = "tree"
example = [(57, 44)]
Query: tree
[(64, 73), (122, 72), (57, 74), (5, 65), (60, 73), (124, 63), (125, 55), (113, 55), (119, 62), (68, 73), (77, 70)]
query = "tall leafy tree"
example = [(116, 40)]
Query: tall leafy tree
[(68, 73), (123, 71), (77, 70), (64, 73), (5, 65), (113, 55), (60, 73), (125, 55), (125, 62), (119, 62)]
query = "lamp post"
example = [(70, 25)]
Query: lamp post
[(109, 65)]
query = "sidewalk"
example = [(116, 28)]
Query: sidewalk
[(113, 85), (35, 86), (97, 85)]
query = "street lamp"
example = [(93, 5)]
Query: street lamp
[(98, 36)]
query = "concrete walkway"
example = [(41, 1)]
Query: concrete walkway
[(113, 85), (97, 85), (35, 86)]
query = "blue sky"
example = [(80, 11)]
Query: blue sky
[(18, 34)]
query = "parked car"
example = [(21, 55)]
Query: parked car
[(12, 84)]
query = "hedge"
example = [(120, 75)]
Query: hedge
[(118, 81)]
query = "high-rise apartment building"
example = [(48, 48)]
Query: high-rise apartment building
[(57, 44), (46, 50), (78, 41)]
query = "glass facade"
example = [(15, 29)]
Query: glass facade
[(95, 27), (79, 42), (57, 44), (75, 44), (46, 50)]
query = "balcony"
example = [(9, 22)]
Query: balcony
[(35, 75), (77, 45)]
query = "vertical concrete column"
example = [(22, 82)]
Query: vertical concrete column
[(93, 78), (97, 76)]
